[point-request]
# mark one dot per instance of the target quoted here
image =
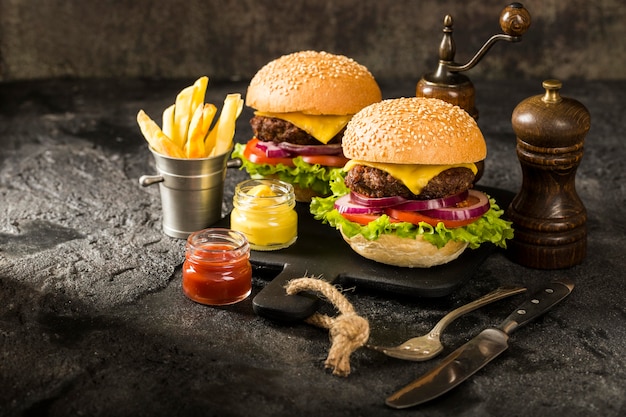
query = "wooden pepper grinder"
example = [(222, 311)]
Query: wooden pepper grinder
[(448, 84), (549, 219)]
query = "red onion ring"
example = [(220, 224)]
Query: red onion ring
[(479, 205), (291, 150), (376, 202), (401, 203), (435, 203), (332, 149), (272, 150), (345, 205)]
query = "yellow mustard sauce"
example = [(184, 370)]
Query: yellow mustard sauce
[(264, 212)]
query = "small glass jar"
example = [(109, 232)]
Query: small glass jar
[(217, 268), (264, 212)]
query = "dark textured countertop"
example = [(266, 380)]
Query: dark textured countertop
[(93, 320)]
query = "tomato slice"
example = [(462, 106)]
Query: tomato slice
[(365, 218), (416, 217), (256, 155), (360, 218), (326, 160)]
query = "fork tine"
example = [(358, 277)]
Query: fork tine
[(383, 349)]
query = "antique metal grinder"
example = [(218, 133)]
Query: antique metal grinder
[(446, 82)]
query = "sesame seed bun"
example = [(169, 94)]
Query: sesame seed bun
[(316, 83), (393, 250), (414, 131)]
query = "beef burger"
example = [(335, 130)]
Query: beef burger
[(406, 196), (303, 102)]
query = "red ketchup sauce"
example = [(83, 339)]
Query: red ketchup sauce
[(217, 268)]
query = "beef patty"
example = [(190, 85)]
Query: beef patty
[(270, 129), (374, 182)]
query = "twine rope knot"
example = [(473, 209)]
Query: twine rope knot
[(348, 331)]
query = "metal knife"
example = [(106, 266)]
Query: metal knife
[(472, 356)]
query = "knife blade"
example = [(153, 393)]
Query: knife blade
[(479, 351)]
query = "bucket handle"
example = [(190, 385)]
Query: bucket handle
[(146, 180)]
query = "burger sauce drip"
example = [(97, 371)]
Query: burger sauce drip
[(217, 268)]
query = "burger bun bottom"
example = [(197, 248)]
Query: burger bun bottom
[(405, 252)]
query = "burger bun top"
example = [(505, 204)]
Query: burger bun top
[(315, 83), (414, 130)]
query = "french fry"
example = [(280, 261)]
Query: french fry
[(209, 112), (182, 111), (194, 148), (197, 100), (186, 103), (198, 130), (156, 138), (168, 121), (220, 138), (186, 129)]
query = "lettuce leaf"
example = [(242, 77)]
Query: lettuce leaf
[(305, 175), (489, 228)]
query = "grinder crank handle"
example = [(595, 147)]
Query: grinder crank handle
[(514, 22)]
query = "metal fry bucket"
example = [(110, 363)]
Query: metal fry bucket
[(191, 191)]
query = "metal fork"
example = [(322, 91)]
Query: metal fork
[(428, 346)]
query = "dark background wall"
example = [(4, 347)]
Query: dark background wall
[(232, 39)]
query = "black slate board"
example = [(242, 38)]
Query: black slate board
[(320, 251)]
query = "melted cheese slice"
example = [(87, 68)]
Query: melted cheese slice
[(321, 127), (415, 177)]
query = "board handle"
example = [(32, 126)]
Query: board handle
[(274, 303)]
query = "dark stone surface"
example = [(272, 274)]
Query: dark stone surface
[(93, 320), (232, 40)]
